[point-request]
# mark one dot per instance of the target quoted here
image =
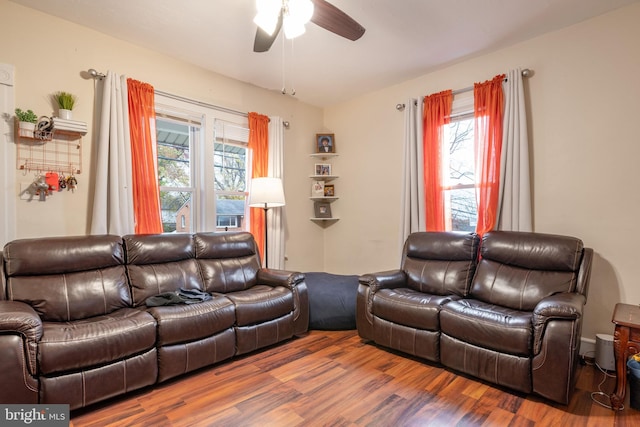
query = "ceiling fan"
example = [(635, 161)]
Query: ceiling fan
[(323, 14)]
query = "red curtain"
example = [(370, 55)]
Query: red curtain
[(437, 111), (259, 146), (142, 124), (488, 111)]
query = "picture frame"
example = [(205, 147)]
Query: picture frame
[(322, 209), (317, 189), (329, 190), (323, 169), (325, 143)]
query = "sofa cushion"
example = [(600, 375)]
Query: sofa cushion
[(159, 263), (517, 269), (409, 308), (261, 303), (189, 322), (68, 278), (440, 263), (487, 325), (72, 346), (229, 262)]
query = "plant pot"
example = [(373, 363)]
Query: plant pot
[(26, 129), (65, 114)]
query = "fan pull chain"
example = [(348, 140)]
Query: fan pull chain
[(293, 56), (284, 89), (284, 68)]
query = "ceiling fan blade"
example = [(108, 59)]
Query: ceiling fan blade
[(333, 19), (263, 41)]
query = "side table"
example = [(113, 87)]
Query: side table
[(626, 341)]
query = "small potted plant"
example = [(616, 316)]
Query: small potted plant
[(26, 122), (65, 102)]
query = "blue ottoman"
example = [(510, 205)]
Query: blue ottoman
[(332, 301)]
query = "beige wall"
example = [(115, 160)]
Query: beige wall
[(584, 108), (584, 101), (49, 54)]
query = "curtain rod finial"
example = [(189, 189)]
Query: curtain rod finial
[(400, 107)]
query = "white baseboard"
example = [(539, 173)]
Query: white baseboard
[(587, 348)]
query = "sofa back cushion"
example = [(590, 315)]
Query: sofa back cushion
[(229, 261), (518, 269), (440, 263), (67, 278), (159, 263)]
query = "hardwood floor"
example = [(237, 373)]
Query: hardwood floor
[(334, 379)]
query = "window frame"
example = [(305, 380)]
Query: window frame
[(201, 154)]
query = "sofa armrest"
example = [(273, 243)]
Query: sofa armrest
[(271, 277), (21, 319), (383, 280), (294, 281), (562, 306)]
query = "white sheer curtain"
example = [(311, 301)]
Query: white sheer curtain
[(514, 210), (276, 216), (113, 196), (413, 203)]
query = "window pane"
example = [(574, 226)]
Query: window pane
[(174, 168), (230, 211), (230, 165), (464, 211), (460, 163), (176, 210)]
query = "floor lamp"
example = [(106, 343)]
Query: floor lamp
[(266, 193)]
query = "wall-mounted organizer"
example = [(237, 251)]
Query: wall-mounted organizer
[(323, 192), (54, 155), (43, 151)]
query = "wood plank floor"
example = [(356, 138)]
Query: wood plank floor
[(331, 378)]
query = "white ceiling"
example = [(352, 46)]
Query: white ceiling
[(404, 39)]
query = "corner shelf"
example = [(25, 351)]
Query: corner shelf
[(324, 199), (323, 222), (323, 177), (324, 155)]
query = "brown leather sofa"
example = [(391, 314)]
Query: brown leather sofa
[(75, 329), (506, 309)]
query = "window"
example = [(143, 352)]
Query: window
[(175, 173), (203, 163), (461, 209), (230, 160)]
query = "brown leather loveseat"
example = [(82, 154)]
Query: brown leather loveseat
[(75, 327), (507, 309)]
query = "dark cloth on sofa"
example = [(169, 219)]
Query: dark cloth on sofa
[(181, 296), (332, 301)]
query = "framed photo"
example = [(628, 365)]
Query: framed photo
[(323, 169), (322, 209), (329, 190), (317, 189), (325, 143)]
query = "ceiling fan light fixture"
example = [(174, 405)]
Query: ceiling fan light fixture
[(297, 13), (268, 14), (292, 28), (300, 10)]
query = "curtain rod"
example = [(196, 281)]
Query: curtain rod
[(201, 103), (95, 74), (525, 73)]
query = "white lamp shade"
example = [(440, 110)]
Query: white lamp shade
[(266, 192)]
